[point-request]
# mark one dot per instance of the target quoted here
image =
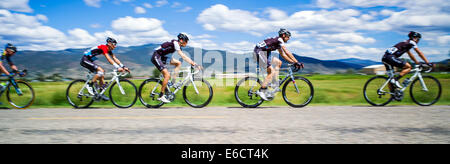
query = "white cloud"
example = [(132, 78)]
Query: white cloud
[(93, 3), (176, 4), (298, 45), (239, 47), (95, 25), (346, 38), (325, 3), (147, 5), (29, 32), (137, 31), (139, 10), (276, 14), (16, 5), (161, 3), (185, 9), (221, 17)]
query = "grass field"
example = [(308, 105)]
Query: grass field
[(329, 90)]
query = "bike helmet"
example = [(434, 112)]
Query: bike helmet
[(413, 34), (183, 36), (11, 47), (111, 40), (284, 31)]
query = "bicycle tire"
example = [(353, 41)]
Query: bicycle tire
[(141, 96), (368, 99), (415, 99), (311, 94), (68, 96), (201, 105), (134, 98), (14, 104), (239, 100)]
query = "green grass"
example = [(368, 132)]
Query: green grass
[(328, 89)]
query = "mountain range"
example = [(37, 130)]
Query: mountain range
[(137, 58)]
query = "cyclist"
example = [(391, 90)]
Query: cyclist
[(392, 55), (88, 62), (7, 53), (160, 57), (262, 53)]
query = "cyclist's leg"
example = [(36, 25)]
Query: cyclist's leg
[(100, 75), (277, 65), (166, 75), (177, 65), (91, 66), (406, 69), (161, 66), (270, 74)]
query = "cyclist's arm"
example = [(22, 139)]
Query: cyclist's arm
[(282, 54), (412, 57), (185, 58), (421, 55), (3, 69), (289, 54), (116, 60), (11, 64), (111, 61)]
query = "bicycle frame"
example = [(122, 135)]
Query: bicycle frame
[(13, 82), (189, 77), (116, 78), (417, 74), (289, 75)]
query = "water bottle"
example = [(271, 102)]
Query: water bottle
[(406, 82), (2, 86)]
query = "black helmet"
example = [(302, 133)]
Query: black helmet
[(183, 36), (413, 34), (111, 40), (10, 46), (284, 31)]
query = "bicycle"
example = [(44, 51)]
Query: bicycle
[(23, 95), (425, 93), (197, 92), (122, 96), (297, 91)]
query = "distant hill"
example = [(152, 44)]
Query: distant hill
[(67, 62), (359, 62)]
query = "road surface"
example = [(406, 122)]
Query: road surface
[(228, 125)]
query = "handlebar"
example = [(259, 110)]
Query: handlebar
[(423, 66), (23, 72), (294, 68), (115, 72)]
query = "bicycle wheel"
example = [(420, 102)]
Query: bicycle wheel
[(425, 97), (245, 92), (374, 94), (20, 96), (149, 93), (123, 95), (198, 99), (77, 95), (301, 97)]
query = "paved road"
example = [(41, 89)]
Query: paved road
[(222, 125)]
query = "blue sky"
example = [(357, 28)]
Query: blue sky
[(324, 29)]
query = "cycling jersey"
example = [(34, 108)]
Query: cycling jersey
[(400, 48), (159, 57), (263, 51), (6, 57), (271, 44), (87, 61), (168, 48), (94, 51)]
